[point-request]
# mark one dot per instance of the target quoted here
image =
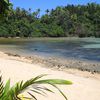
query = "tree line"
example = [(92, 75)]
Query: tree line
[(63, 21)]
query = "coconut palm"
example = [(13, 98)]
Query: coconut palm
[(12, 93)]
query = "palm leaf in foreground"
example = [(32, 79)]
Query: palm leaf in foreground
[(32, 85)]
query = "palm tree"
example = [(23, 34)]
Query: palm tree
[(7, 93), (47, 11), (38, 13)]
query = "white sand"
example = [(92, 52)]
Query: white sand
[(83, 88)]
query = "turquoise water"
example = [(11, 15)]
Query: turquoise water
[(87, 48)]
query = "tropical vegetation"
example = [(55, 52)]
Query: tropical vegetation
[(63, 21), (33, 85)]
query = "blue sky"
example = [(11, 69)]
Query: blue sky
[(47, 4)]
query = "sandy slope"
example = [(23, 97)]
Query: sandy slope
[(84, 88)]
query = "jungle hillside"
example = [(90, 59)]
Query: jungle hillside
[(63, 21)]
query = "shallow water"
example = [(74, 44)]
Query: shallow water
[(86, 49)]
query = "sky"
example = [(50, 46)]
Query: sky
[(47, 4)]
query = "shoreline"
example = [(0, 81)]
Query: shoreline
[(47, 38), (61, 63), (72, 66)]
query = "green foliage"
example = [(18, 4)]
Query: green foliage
[(7, 93), (5, 6), (70, 20)]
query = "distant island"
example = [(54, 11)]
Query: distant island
[(63, 21)]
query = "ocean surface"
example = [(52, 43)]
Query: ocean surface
[(78, 48)]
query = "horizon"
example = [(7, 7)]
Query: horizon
[(37, 4)]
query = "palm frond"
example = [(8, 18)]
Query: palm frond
[(54, 81), (60, 91), (22, 86), (32, 85)]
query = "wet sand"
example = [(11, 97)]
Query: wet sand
[(61, 63)]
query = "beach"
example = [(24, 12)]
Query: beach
[(86, 83)]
